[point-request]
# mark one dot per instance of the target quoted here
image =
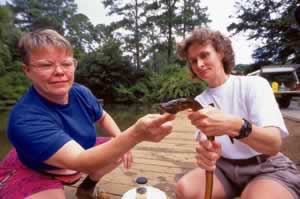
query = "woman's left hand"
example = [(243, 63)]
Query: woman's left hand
[(212, 121), (127, 160)]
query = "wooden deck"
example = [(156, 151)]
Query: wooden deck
[(162, 163), (165, 162)]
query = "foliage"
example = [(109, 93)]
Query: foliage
[(242, 69), (104, 69), (12, 80), (151, 26), (8, 39), (177, 16), (112, 62), (32, 14), (191, 14), (13, 85), (174, 82), (272, 23), (80, 33), (60, 15), (132, 17)]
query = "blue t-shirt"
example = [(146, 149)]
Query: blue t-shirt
[(38, 128)]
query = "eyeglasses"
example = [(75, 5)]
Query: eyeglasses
[(50, 66)]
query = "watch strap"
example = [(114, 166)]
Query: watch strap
[(245, 130)]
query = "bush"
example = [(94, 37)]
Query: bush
[(13, 85), (174, 82)]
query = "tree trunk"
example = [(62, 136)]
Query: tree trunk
[(137, 39)]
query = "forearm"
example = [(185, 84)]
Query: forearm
[(109, 125), (103, 155), (152, 127), (266, 140)]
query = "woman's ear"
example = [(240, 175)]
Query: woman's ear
[(25, 68), (220, 55)]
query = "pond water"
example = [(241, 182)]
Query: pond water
[(4, 143), (124, 115)]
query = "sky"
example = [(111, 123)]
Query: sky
[(218, 13)]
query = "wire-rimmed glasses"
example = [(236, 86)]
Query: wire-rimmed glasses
[(50, 66)]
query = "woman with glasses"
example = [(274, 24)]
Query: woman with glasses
[(52, 127)]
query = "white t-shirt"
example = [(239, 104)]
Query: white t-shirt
[(248, 97)]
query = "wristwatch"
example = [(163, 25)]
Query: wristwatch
[(245, 130)]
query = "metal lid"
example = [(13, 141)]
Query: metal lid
[(141, 190)]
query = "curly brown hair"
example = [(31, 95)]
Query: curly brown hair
[(203, 36)]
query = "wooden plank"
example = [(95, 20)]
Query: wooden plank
[(166, 149), (179, 145), (164, 163), (182, 156), (178, 141), (182, 136), (129, 177), (70, 193)]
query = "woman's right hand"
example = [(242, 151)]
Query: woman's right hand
[(207, 154), (153, 127)]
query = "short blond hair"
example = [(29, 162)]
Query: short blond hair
[(40, 39), (203, 36)]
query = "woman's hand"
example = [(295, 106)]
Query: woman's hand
[(207, 154), (153, 127), (127, 160), (213, 122)]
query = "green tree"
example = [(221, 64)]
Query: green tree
[(172, 82), (191, 15), (5, 24), (32, 14), (104, 69), (8, 39), (168, 19), (132, 16), (81, 33), (173, 18), (271, 23), (60, 15), (13, 82)]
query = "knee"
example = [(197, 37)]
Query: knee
[(180, 190), (184, 191)]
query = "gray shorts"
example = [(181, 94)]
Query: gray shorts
[(278, 168)]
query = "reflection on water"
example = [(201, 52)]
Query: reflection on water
[(124, 115)]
